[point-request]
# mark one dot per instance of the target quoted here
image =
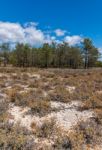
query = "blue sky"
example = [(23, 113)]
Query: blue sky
[(73, 17)]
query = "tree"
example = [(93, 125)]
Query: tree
[(60, 51), (99, 64), (74, 57), (22, 52), (51, 55), (5, 53), (90, 52), (45, 54)]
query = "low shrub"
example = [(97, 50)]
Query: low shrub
[(47, 129), (40, 107), (15, 138)]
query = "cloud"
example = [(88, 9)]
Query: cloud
[(33, 24), (100, 51), (49, 39), (60, 32), (11, 32), (30, 33), (73, 40), (15, 32), (33, 36)]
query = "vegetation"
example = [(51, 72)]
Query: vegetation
[(30, 93), (15, 137), (52, 55)]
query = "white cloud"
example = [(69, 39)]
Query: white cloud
[(11, 32), (33, 24), (60, 32), (73, 40), (15, 32), (49, 39), (100, 50), (31, 34)]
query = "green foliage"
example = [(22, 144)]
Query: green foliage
[(90, 52), (98, 64), (5, 53), (51, 55)]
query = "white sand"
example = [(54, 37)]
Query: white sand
[(66, 117), (19, 116), (70, 89)]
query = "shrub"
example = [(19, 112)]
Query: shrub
[(40, 107), (15, 138), (60, 94), (47, 129), (3, 109), (95, 101), (62, 143)]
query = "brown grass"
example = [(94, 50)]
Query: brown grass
[(88, 90)]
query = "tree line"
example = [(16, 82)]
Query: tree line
[(51, 55)]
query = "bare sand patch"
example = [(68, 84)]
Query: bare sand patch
[(66, 117)]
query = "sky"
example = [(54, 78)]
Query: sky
[(38, 21)]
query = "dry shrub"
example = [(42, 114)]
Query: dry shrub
[(16, 97), (3, 106), (20, 99), (15, 76), (62, 142), (47, 129), (85, 134), (2, 83), (33, 99), (91, 131), (3, 109), (11, 93), (47, 74), (25, 76), (98, 118), (14, 138), (33, 126), (40, 107), (35, 84), (60, 94), (86, 83), (95, 101)]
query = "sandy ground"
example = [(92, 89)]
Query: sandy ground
[(66, 117)]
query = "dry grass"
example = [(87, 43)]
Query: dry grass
[(47, 129), (93, 102), (41, 107), (27, 90), (60, 94), (14, 138), (85, 135)]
